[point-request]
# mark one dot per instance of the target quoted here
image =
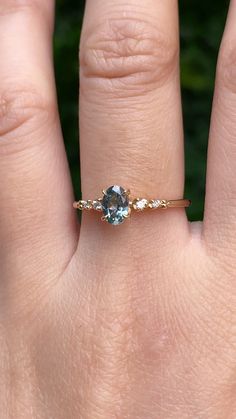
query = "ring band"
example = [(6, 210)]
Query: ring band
[(117, 206)]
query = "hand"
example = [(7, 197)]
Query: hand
[(136, 321)]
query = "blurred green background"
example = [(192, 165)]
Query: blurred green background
[(201, 28)]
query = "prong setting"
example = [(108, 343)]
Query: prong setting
[(129, 214), (163, 204)]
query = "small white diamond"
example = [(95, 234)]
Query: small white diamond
[(82, 204), (155, 203), (97, 205), (141, 204)]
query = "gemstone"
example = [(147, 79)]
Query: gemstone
[(140, 204), (88, 205), (155, 203), (97, 205), (115, 205), (82, 205)]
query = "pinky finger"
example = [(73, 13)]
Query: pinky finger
[(220, 207)]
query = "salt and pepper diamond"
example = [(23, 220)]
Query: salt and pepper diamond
[(115, 205)]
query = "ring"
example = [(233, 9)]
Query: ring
[(117, 206)]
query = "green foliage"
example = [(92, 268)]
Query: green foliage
[(201, 28)]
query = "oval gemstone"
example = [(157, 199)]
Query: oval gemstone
[(115, 205)]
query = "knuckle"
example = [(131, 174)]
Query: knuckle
[(226, 69), (128, 52), (27, 8), (23, 111), (12, 6)]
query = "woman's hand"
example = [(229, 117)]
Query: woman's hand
[(136, 321)]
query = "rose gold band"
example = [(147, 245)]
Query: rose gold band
[(138, 204), (178, 203)]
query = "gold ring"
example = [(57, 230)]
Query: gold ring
[(117, 206)]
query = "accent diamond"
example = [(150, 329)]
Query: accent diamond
[(140, 204), (88, 205), (82, 204), (97, 205), (155, 203)]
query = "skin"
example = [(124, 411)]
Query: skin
[(136, 321)]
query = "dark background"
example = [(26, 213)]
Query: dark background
[(201, 28)]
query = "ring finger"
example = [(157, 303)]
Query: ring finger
[(130, 107)]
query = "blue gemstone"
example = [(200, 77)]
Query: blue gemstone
[(115, 205)]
